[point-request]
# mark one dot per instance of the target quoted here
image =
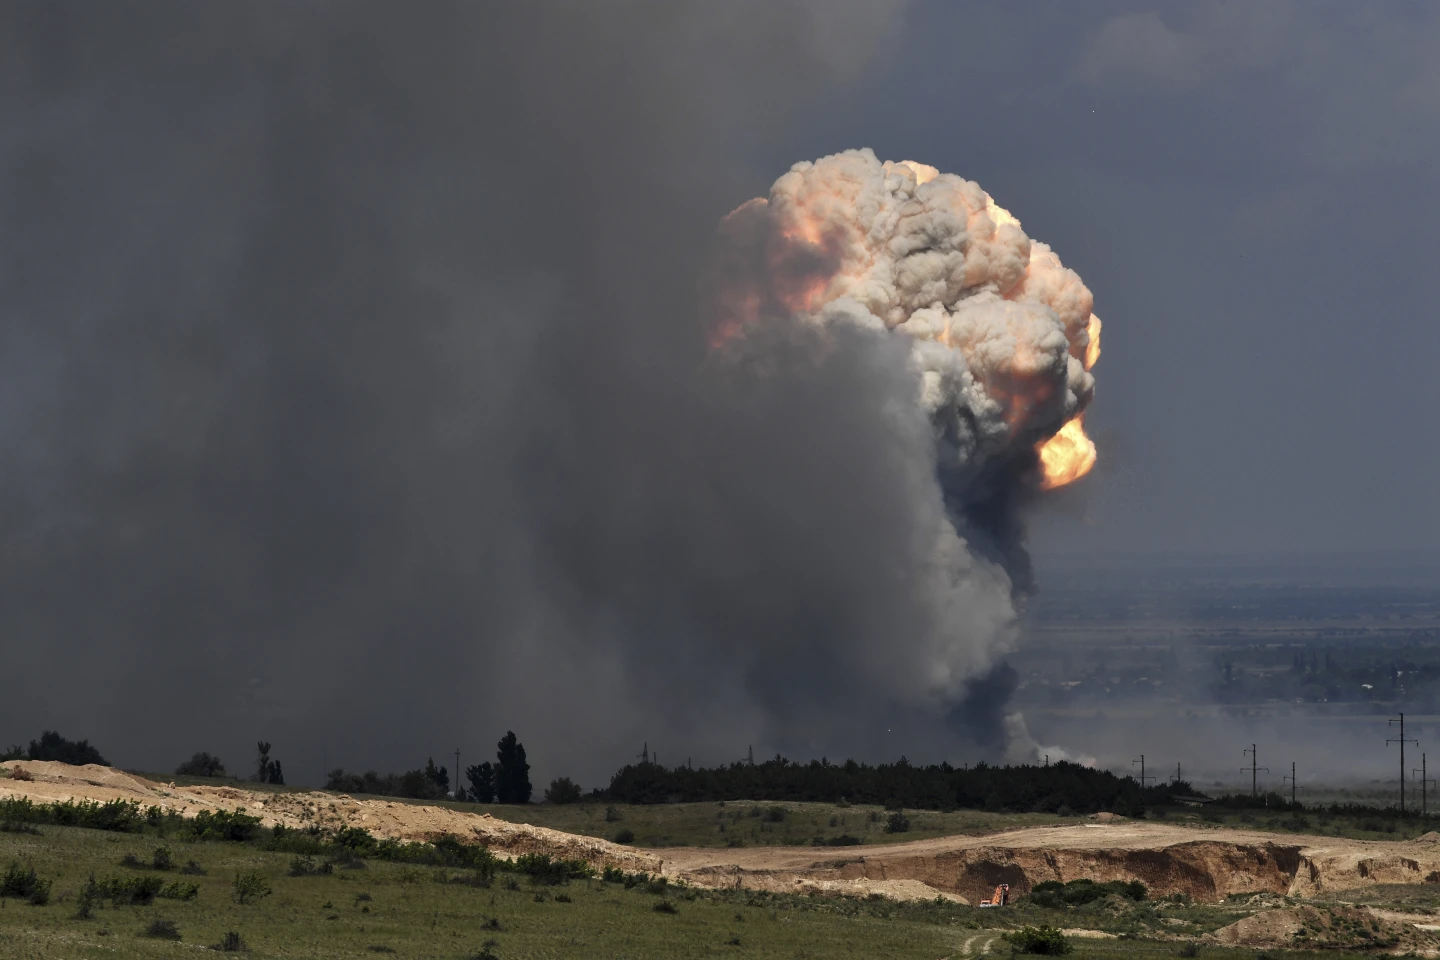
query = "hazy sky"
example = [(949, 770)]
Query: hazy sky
[(349, 351), (1249, 190)]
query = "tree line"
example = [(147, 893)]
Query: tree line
[(1055, 788)]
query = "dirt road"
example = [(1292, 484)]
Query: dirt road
[(1206, 864)]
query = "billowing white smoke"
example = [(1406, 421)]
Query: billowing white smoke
[(1021, 747), (1000, 334)]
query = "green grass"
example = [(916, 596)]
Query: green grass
[(752, 823), (414, 912)]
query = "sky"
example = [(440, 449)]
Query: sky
[(353, 396), (1248, 190)]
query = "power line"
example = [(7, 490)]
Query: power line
[(1424, 779), (1291, 778), (1254, 769), (1402, 740)]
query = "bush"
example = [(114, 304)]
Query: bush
[(25, 885), (307, 867), (1190, 950), (193, 869), (52, 746), (625, 836), (20, 773), (563, 790), (161, 859), (611, 815), (230, 944), (775, 814), (897, 822), (541, 869), (664, 906), (844, 840), (1053, 894), (177, 890), (201, 765), (1045, 941), (235, 826), (163, 930), (130, 891), (249, 887)]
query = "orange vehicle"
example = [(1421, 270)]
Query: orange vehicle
[(999, 898)]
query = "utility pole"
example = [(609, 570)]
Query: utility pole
[(1291, 778), (1178, 778), (1402, 740), (1254, 769), (645, 753), (456, 791), (1424, 779), (750, 757), (1143, 778), (1047, 759)]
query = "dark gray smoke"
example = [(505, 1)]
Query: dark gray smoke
[(356, 396)]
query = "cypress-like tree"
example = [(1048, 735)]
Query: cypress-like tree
[(512, 772), (482, 783)]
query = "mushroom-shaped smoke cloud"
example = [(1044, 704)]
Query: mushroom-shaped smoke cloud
[(1000, 333)]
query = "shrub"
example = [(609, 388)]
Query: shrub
[(664, 906), (163, 930), (176, 890), (20, 773), (563, 790), (541, 869), (775, 814), (844, 840), (89, 897), (625, 836), (131, 861), (201, 765), (1054, 894), (611, 815), (25, 885), (1191, 949), (307, 867), (193, 869), (1045, 941), (236, 826), (897, 822), (133, 891), (161, 859), (249, 887), (230, 944)]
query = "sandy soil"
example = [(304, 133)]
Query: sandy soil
[(54, 782), (1204, 863)]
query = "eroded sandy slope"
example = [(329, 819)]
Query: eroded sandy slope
[(1206, 864)]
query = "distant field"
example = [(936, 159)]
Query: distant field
[(741, 822), (406, 911)]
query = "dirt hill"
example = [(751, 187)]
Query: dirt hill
[(1206, 864)]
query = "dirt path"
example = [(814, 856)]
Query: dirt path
[(1206, 864)]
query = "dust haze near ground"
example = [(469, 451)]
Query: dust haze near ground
[(356, 396)]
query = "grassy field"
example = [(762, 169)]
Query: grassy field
[(745, 823), (406, 911), (754, 823)]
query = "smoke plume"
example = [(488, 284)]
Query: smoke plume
[(363, 392)]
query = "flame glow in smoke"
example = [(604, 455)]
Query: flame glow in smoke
[(1003, 335)]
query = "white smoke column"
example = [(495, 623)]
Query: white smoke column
[(1000, 334)]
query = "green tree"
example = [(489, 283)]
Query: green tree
[(482, 783), (267, 770), (512, 772), (437, 775), (563, 790), (202, 765), (52, 746)]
